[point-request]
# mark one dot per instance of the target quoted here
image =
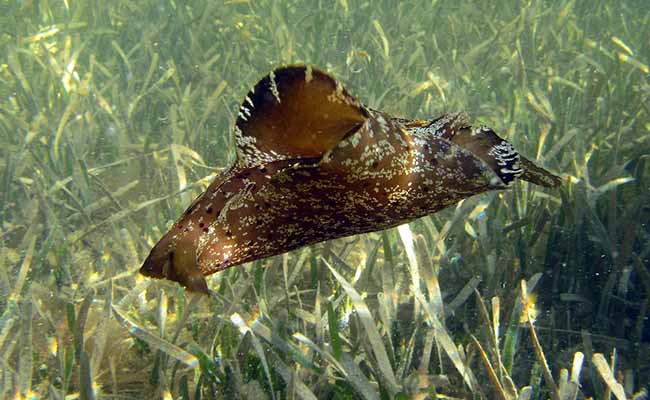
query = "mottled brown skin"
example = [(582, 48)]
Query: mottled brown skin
[(314, 164)]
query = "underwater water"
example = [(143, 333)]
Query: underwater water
[(115, 115)]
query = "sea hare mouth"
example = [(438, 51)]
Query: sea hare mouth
[(179, 266), (313, 164), (149, 269)]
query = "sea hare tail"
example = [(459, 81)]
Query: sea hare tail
[(538, 175)]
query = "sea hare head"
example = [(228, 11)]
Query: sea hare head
[(174, 258)]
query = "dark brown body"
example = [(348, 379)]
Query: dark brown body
[(314, 164)]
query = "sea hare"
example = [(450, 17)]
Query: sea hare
[(313, 163)]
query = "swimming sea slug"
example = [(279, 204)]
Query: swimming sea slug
[(314, 164)]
